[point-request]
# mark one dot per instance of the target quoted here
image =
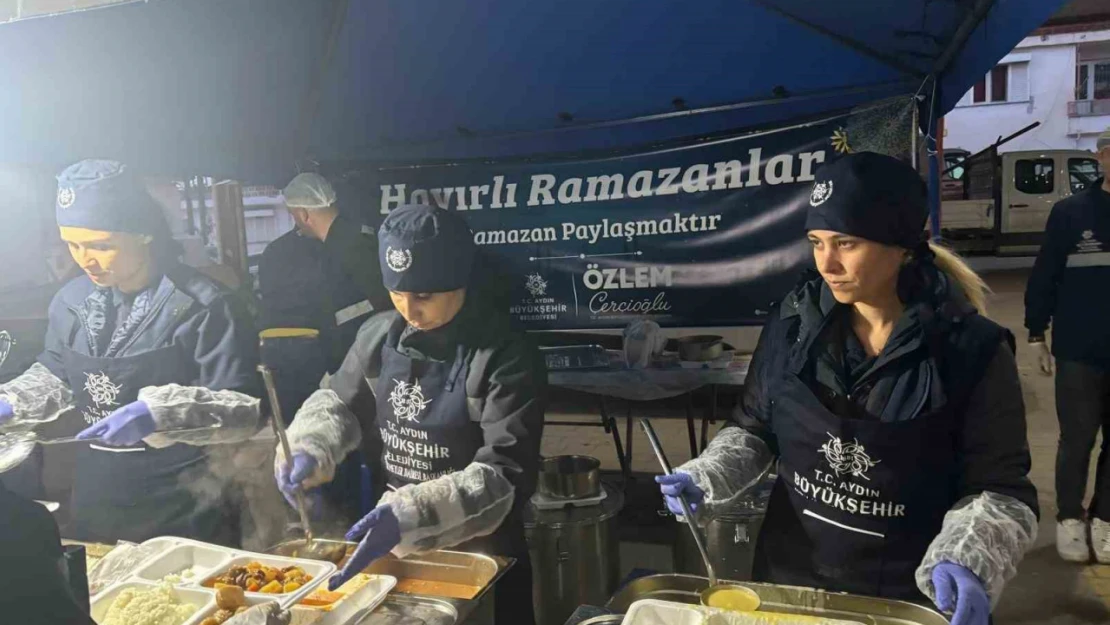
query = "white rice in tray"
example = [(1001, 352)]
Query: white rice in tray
[(157, 606)]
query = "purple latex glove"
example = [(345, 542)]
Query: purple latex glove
[(383, 533), (290, 479), (6, 412), (680, 483), (126, 426), (960, 591)]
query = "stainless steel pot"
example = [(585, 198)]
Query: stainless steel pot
[(700, 348), (570, 477), (730, 540), (575, 556)]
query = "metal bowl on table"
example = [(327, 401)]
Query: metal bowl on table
[(700, 348), (570, 477)]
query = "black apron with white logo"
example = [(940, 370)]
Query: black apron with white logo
[(137, 492), (426, 432), (423, 417), (857, 502)]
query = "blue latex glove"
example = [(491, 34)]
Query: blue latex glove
[(125, 426), (6, 412), (383, 533), (960, 591), (290, 477), (680, 483)]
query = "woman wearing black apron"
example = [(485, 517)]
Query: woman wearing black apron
[(138, 346), (448, 396), (894, 410)]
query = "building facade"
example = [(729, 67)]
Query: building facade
[(1058, 76)]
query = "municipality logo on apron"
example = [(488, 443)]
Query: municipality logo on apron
[(408, 400), (101, 389), (847, 458)]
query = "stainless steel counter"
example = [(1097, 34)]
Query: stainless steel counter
[(786, 599)]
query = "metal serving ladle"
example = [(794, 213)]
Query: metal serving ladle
[(16, 446), (686, 509)]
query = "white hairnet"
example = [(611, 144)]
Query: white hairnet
[(309, 191)]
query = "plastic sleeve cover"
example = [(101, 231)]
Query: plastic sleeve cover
[(326, 429), (987, 534), (451, 509), (734, 462), (176, 406), (37, 395)]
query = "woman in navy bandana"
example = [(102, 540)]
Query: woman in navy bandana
[(136, 348), (892, 406)]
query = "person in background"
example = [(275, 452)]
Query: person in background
[(457, 396), (138, 346), (350, 247), (322, 275), (36, 590), (1069, 287), (893, 407)]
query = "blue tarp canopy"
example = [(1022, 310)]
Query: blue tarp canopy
[(246, 88)]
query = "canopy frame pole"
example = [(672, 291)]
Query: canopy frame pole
[(962, 34), (845, 41), (934, 162)]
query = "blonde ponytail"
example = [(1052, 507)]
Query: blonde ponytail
[(973, 287)]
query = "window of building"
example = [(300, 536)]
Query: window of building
[(1082, 172), (1092, 80), (1034, 176), (1004, 83)]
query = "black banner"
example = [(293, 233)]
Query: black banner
[(708, 234)]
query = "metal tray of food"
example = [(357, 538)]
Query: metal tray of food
[(451, 574), (571, 357), (405, 610), (785, 599)]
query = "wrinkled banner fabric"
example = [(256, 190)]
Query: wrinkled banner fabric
[(705, 234)]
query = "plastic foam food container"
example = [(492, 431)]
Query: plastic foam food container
[(655, 612), (361, 593), (206, 562), (652, 612), (203, 600), (319, 571), (203, 561)]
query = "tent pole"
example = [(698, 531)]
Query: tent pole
[(913, 137), (934, 163), (963, 33)]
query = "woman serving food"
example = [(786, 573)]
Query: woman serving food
[(893, 407)]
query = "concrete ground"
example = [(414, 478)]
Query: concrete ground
[(1046, 589)]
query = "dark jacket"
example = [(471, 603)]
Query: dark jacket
[(32, 575), (302, 286), (505, 387), (976, 375), (1070, 282), (353, 249), (209, 327)]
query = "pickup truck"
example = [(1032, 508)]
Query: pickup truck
[(998, 204)]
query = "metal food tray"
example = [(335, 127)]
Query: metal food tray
[(409, 610), (786, 599), (571, 357), (454, 567), (207, 560)]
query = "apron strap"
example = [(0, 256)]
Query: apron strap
[(456, 367)]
